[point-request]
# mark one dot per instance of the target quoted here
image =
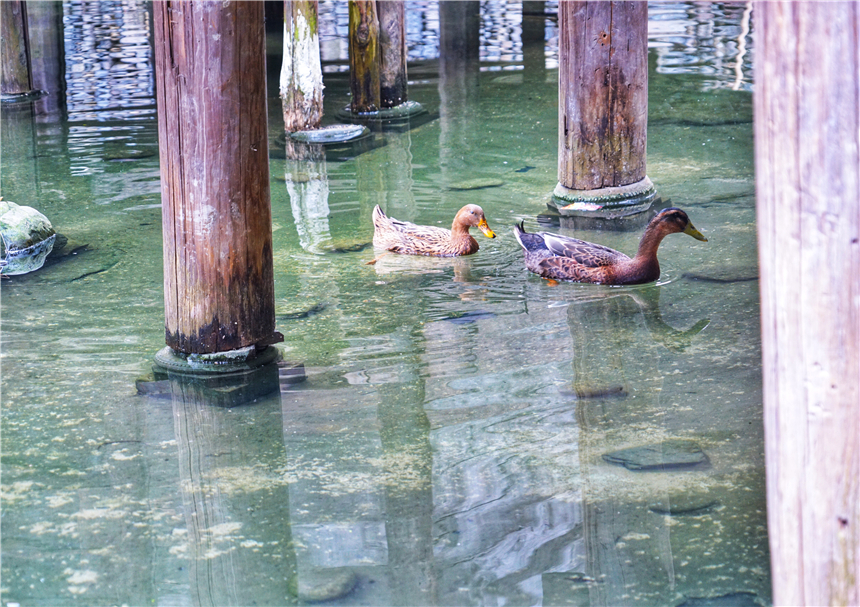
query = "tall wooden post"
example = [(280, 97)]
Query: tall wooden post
[(15, 78), (364, 56), (392, 38), (211, 95), (807, 135), (603, 102), (301, 85)]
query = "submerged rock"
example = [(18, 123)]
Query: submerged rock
[(477, 184), (26, 238), (322, 585), (128, 155), (684, 505), (341, 248), (669, 454), (721, 276), (312, 311)]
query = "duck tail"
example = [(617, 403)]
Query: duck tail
[(529, 242), (519, 230), (378, 216)]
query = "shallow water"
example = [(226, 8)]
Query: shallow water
[(447, 446)]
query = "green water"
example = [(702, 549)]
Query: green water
[(446, 447)]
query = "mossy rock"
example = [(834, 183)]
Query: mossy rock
[(320, 585), (479, 183), (26, 238)]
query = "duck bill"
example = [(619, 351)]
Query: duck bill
[(485, 228), (694, 233)]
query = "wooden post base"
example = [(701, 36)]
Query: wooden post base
[(240, 378), (618, 201)]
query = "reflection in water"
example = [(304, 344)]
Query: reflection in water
[(231, 490), (700, 38), (360, 494), (110, 90), (307, 185), (638, 525), (109, 65), (703, 38), (503, 515)]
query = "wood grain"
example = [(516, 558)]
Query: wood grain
[(603, 93), (807, 131), (211, 96), (15, 78), (364, 56), (392, 38), (301, 85)]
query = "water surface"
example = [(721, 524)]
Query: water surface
[(447, 446)]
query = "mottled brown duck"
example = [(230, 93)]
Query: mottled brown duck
[(558, 257), (398, 236)]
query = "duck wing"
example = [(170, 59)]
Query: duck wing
[(407, 237), (413, 230), (582, 252)]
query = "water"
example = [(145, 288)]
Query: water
[(447, 446)]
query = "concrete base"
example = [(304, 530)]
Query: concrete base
[(226, 379), (216, 363), (396, 117), (606, 203), (333, 134)]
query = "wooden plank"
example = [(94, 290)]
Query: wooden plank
[(364, 56), (603, 93), (211, 96), (807, 131)]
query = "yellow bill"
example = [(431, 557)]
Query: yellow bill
[(485, 228), (694, 233)]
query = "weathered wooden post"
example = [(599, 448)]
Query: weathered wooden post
[(392, 38), (364, 56), (211, 96), (15, 76), (603, 108), (807, 135), (377, 65), (301, 84)]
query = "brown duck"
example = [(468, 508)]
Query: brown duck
[(398, 236), (559, 257)]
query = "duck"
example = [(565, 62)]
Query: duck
[(397, 236), (556, 257)]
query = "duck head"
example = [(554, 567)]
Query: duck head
[(472, 215), (673, 220)]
